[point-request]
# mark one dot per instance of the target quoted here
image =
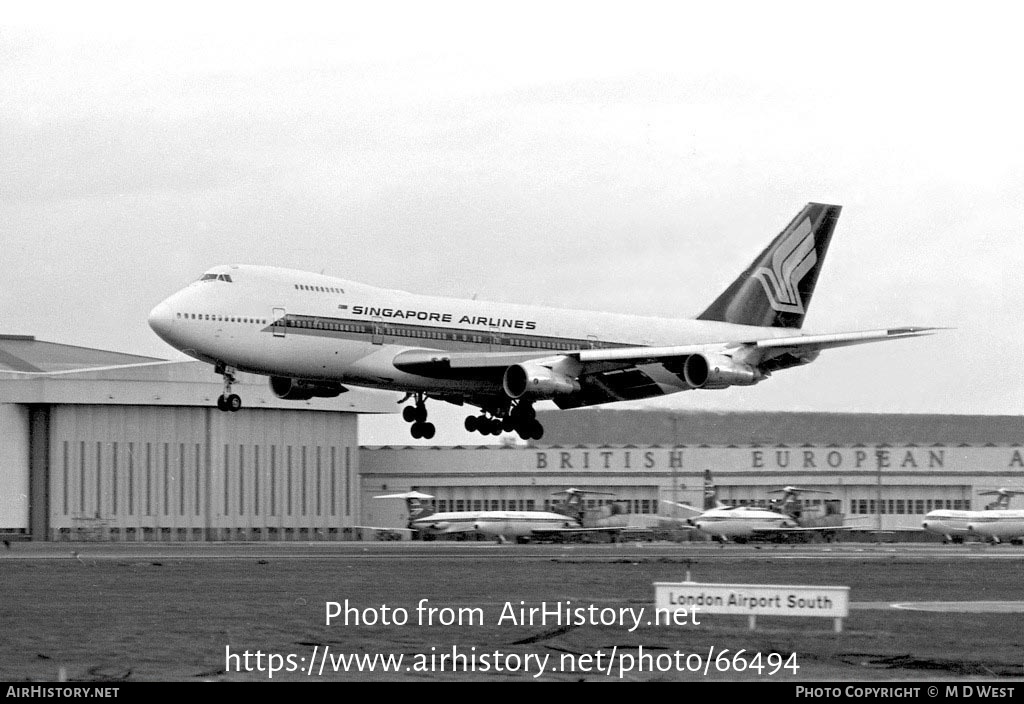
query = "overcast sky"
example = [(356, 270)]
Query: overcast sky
[(631, 157)]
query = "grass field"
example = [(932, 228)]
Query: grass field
[(174, 617)]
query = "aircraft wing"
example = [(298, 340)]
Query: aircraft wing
[(436, 362), (630, 373), (803, 529), (551, 532), (402, 528), (687, 510), (448, 527), (801, 343)]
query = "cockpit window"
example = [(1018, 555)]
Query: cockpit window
[(216, 277)]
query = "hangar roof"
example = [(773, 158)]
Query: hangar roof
[(24, 353), (662, 427), (33, 371)]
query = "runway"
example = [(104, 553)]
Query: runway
[(415, 550)]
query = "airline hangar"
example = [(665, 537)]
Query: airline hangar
[(113, 446), (885, 470)]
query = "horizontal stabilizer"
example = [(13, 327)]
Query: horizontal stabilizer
[(406, 495)]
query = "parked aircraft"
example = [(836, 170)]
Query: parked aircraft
[(994, 521), (314, 335), (784, 518), (564, 519), (614, 514), (999, 525)]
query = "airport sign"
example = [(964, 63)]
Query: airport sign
[(754, 600)]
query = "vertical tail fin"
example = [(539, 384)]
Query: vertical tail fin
[(710, 491), (776, 288), (573, 504)]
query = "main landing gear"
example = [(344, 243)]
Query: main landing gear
[(228, 401), (521, 418), (417, 415)]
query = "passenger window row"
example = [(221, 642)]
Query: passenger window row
[(402, 331), (221, 318), (320, 289)]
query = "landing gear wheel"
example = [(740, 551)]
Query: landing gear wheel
[(524, 412), (416, 414), (471, 424), (422, 430), (536, 429), (531, 430), (227, 401)]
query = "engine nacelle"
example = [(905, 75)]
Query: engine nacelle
[(717, 371), (302, 390), (537, 382)]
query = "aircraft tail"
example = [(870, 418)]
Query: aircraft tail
[(710, 491), (413, 502), (573, 504), (1003, 497), (776, 288)]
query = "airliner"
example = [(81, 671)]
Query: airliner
[(784, 518), (995, 521), (564, 520), (314, 335), (999, 525)]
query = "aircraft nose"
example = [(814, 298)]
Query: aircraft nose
[(160, 319)]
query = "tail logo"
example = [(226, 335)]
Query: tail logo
[(791, 261)]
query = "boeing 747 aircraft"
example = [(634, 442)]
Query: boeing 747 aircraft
[(314, 335)]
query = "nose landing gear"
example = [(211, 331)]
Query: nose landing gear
[(228, 401)]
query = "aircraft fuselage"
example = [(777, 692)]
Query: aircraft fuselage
[(284, 322), (741, 522), (1003, 524), (507, 524)]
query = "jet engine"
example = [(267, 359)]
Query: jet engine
[(302, 390), (717, 371), (537, 381)]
